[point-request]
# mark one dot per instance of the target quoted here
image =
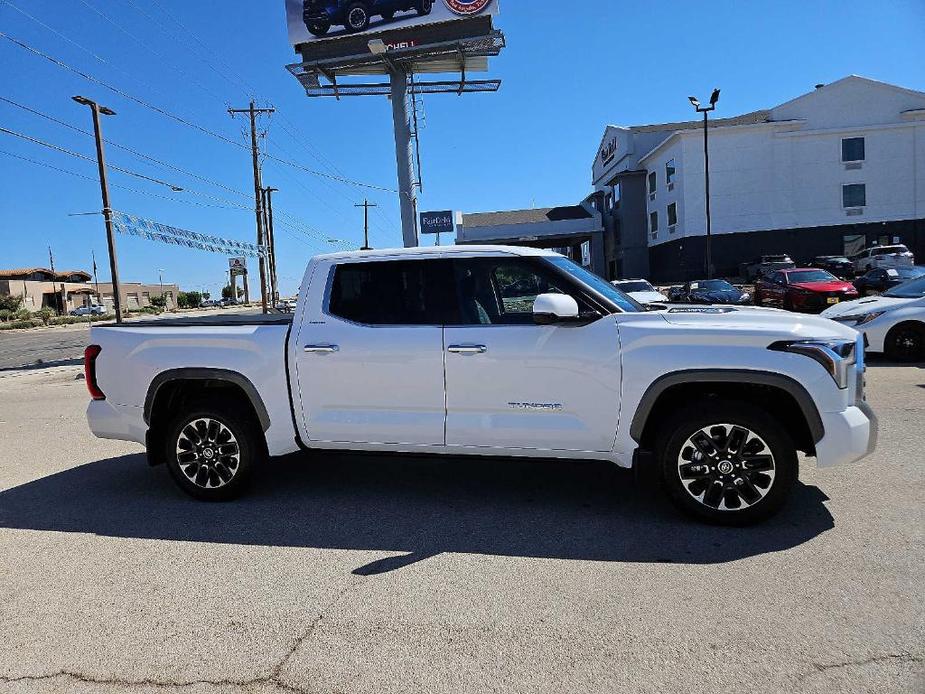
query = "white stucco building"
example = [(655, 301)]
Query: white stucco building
[(829, 172)]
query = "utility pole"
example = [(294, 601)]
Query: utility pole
[(253, 112), (96, 279), (54, 276), (366, 205), (96, 109), (271, 242)]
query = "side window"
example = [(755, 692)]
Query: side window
[(501, 291), (412, 292)]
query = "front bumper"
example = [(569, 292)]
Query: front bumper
[(849, 435)]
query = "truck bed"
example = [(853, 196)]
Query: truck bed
[(210, 321)]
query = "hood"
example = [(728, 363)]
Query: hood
[(865, 305), (825, 286), (648, 297), (772, 323), (717, 296)]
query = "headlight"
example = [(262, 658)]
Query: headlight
[(745, 297), (835, 356), (859, 318)]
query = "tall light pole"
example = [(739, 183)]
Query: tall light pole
[(96, 109), (714, 97)]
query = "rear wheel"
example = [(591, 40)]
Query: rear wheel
[(211, 449), (318, 28), (906, 342), (424, 6), (727, 462)]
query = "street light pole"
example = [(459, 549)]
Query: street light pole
[(96, 110), (714, 97)]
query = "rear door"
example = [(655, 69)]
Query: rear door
[(369, 357), (512, 384)]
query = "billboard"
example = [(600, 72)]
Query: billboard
[(322, 20), (237, 266)]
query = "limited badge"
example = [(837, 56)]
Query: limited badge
[(467, 7)]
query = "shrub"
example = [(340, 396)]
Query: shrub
[(44, 315), (5, 314), (159, 301), (23, 314), (19, 324), (10, 303)]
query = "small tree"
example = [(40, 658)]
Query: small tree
[(10, 303), (189, 299), (159, 301), (44, 314), (226, 292)]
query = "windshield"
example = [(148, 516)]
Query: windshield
[(599, 285), (810, 276), (914, 289), (635, 286), (720, 285)]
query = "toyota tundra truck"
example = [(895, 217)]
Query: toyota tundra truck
[(489, 350)]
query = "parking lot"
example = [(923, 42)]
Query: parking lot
[(348, 573)]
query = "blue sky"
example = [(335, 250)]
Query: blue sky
[(565, 75)]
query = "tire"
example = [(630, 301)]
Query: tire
[(318, 28), (786, 304), (216, 473), (905, 342), (424, 7), (356, 18), (726, 494)]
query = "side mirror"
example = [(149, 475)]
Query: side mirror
[(554, 308)]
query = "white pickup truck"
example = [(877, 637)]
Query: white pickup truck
[(490, 350)]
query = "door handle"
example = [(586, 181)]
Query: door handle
[(467, 349), (322, 349)]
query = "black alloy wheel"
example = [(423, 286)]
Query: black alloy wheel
[(357, 17), (424, 7), (210, 450), (906, 342), (727, 462)]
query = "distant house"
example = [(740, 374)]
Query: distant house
[(66, 290)]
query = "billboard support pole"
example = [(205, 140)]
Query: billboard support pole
[(398, 80)]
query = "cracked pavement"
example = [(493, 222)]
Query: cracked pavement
[(362, 574)]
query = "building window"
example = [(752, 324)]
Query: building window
[(608, 202), (672, 214), (670, 172), (854, 195), (653, 183), (653, 224), (852, 149), (616, 195)]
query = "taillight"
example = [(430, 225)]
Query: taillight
[(90, 355)]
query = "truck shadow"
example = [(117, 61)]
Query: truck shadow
[(413, 505)]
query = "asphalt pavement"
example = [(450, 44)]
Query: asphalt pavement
[(343, 573)]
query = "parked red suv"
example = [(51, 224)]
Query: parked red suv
[(802, 289)]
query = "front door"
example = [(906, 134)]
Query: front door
[(511, 384), (370, 360)]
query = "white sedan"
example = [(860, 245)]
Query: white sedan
[(894, 322), (640, 290)]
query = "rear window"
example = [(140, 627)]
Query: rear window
[(412, 292)]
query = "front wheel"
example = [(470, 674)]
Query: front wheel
[(357, 17), (424, 7), (727, 462), (905, 342), (211, 450)]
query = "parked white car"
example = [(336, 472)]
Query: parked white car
[(883, 256), (893, 322), (641, 290), (489, 350), (91, 310)]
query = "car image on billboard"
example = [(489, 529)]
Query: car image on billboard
[(313, 20)]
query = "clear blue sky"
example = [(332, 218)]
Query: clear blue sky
[(565, 75)]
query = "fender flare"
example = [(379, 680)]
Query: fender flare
[(207, 374), (766, 378)]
